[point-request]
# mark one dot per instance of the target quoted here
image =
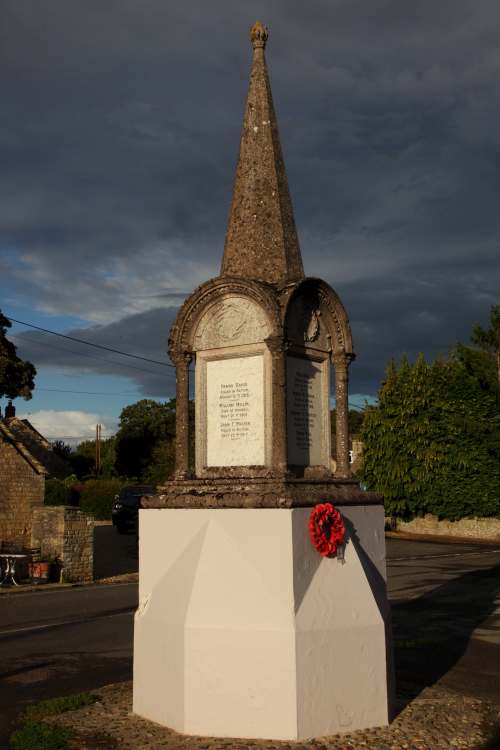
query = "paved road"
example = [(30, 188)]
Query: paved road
[(445, 602), (445, 618), (61, 642)]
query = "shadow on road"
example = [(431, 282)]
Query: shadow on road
[(432, 638), (114, 554)]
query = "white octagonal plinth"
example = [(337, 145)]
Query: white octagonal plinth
[(244, 630)]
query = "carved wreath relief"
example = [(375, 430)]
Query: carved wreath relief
[(230, 322)]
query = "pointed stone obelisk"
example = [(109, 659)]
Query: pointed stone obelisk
[(243, 628), (261, 239)]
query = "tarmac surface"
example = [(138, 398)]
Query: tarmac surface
[(445, 620)]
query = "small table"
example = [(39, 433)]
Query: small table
[(9, 574)]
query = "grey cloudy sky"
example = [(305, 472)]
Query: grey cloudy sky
[(118, 141)]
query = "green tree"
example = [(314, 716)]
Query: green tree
[(489, 340), (162, 463), (482, 360), (432, 444), (82, 459), (355, 421), (143, 427), (62, 449), (17, 376)]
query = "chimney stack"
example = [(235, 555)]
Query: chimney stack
[(10, 411)]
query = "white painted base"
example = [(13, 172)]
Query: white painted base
[(244, 630)]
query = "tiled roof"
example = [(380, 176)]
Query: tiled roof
[(36, 445), (7, 435)]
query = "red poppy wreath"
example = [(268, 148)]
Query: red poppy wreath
[(326, 529)]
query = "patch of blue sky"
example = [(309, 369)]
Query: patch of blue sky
[(357, 401), (27, 313), (65, 391)]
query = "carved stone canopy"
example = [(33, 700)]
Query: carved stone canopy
[(230, 311), (315, 318)]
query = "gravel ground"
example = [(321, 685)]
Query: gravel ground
[(437, 718)]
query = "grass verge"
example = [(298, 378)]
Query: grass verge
[(35, 734)]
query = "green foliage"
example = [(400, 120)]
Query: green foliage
[(82, 459), (17, 376), (97, 497), (62, 449), (489, 340), (483, 359), (144, 426), (479, 365), (35, 735), (355, 421), (70, 480), (57, 493), (162, 463), (432, 444), (56, 706)]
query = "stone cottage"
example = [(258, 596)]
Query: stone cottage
[(26, 460)]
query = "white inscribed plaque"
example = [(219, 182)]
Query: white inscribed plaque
[(305, 412), (235, 412)]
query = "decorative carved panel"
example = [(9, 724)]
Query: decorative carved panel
[(230, 322)]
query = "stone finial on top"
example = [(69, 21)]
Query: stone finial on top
[(258, 35)]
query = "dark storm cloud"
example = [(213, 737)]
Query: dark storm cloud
[(143, 334), (120, 136)]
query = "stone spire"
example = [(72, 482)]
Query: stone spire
[(261, 239)]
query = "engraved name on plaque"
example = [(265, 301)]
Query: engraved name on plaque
[(305, 412), (235, 412)]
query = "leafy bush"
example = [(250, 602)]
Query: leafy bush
[(57, 493), (432, 444), (97, 496), (35, 735)]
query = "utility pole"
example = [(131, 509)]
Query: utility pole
[(97, 449)]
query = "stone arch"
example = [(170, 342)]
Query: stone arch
[(315, 318), (312, 313), (211, 294)]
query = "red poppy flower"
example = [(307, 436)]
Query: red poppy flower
[(326, 529)]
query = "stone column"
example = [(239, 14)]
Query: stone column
[(182, 362), (278, 347), (341, 361)]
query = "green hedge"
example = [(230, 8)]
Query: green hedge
[(432, 444), (56, 493), (97, 497)]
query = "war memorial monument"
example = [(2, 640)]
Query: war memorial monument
[(245, 627)]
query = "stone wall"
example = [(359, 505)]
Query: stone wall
[(473, 528), (356, 454), (21, 489), (66, 533)]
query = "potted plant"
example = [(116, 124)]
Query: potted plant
[(45, 571), (40, 571)]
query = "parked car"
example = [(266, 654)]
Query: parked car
[(125, 508)]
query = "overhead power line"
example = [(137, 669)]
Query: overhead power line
[(105, 348), (84, 354), (90, 343), (89, 393)]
